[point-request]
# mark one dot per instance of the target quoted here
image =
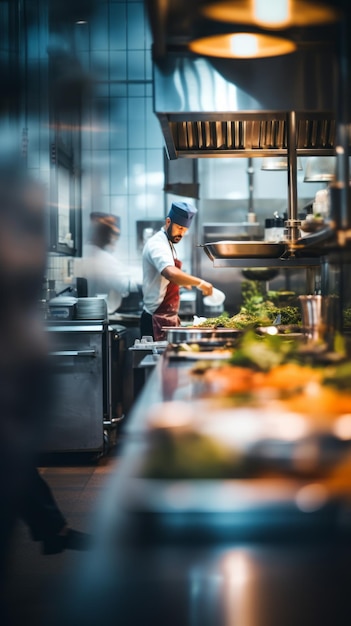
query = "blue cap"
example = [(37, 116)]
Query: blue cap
[(182, 213)]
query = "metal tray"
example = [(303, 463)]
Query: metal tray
[(243, 249), (175, 334)]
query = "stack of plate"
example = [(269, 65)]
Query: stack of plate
[(91, 309)]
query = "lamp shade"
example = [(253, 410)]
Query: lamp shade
[(244, 45), (277, 14)]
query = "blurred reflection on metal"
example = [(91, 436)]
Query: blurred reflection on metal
[(277, 164), (320, 169)]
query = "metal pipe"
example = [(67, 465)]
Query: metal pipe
[(340, 189), (250, 172), (292, 223)]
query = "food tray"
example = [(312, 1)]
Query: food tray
[(217, 336), (222, 510), (269, 484), (289, 331), (200, 355)]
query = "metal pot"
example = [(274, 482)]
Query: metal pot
[(260, 273)]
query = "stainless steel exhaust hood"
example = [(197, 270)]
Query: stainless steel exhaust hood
[(204, 114)]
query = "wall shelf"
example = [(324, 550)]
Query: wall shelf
[(289, 263)]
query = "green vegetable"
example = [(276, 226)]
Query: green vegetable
[(256, 310), (347, 317), (290, 316), (262, 352), (339, 376), (191, 455)]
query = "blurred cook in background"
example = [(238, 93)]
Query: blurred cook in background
[(24, 372), (104, 273), (25, 378), (163, 276)]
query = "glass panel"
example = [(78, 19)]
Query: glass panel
[(63, 201)]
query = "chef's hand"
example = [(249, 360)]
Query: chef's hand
[(205, 287)]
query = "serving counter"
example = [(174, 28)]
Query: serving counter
[(209, 551)]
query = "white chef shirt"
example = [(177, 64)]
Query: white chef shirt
[(105, 275), (158, 253)]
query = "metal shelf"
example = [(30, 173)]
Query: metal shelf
[(289, 263)]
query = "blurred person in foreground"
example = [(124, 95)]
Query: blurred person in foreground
[(104, 273), (25, 379), (163, 276)]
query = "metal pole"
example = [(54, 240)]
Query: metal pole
[(340, 189), (292, 222)]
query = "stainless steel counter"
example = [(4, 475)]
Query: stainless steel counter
[(261, 567)]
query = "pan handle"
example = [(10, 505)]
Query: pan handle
[(205, 247)]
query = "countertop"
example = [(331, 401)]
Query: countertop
[(191, 569), (128, 317)]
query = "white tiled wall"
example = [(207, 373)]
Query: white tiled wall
[(59, 269), (122, 141)]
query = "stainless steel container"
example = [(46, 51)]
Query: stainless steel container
[(243, 249), (176, 335), (319, 317)]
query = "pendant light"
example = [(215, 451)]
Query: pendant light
[(252, 27), (267, 14), (243, 45)]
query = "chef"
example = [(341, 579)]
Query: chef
[(104, 272), (163, 276)]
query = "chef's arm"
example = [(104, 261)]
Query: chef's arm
[(177, 276)]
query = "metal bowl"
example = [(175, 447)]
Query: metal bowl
[(243, 249), (260, 273)]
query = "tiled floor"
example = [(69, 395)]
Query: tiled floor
[(34, 579)]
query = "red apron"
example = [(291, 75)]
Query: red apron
[(167, 313)]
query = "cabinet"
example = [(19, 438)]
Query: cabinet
[(87, 371)]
